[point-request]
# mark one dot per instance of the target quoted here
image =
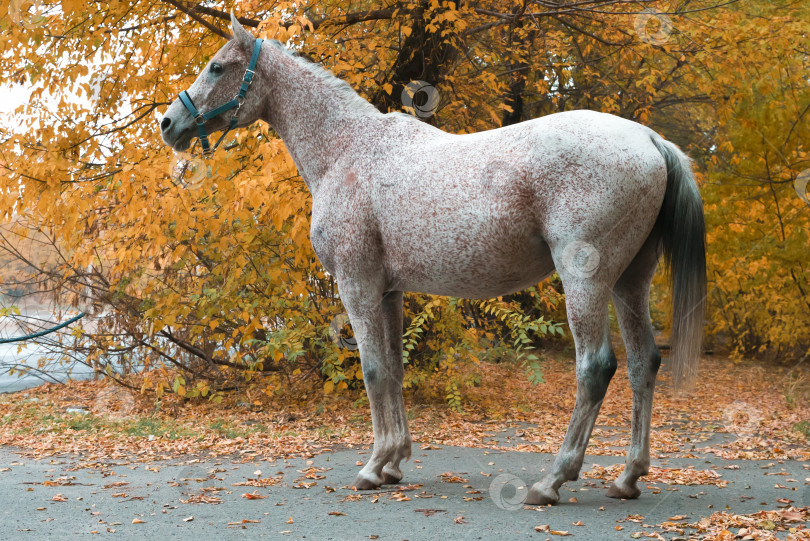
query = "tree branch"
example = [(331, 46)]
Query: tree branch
[(190, 12)]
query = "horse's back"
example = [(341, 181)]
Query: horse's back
[(487, 209)]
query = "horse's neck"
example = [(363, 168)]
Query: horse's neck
[(315, 118)]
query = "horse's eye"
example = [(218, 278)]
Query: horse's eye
[(216, 69)]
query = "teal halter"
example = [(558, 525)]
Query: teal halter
[(202, 118)]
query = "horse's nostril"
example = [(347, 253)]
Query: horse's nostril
[(165, 123)]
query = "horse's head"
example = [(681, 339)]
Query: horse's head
[(220, 84)]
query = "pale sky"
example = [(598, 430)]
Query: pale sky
[(11, 97)]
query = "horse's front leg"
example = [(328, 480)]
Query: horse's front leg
[(377, 324), (392, 322)]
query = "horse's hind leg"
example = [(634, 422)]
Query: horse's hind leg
[(631, 298), (586, 303), (377, 324)]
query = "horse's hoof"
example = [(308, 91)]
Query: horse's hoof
[(390, 479), (361, 483), (539, 495), (623, 492)]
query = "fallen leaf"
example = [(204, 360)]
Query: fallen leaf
[(429, 512), (116, 484), (450, 477)]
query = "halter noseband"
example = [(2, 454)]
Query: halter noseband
[(202, 118)]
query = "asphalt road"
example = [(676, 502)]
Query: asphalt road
[(302, 505)]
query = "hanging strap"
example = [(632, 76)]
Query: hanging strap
[(42, 333)]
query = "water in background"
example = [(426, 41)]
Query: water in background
[(44, 365)]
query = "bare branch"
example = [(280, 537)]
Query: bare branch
[(190, 13)]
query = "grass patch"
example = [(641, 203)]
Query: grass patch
[(226, 429), (151, 426), (83, 423)]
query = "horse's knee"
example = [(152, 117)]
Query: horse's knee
[(382, 375), (371, 374), (596, 370), (643, 371)]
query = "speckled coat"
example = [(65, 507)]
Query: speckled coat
[(399, 205)]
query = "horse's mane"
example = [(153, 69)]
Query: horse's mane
[(341, 88)]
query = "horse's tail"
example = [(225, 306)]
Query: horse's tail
[(682, 230)]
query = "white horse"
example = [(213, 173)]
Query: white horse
[(399, 205)]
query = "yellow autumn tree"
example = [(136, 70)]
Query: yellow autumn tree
[(203, 272)]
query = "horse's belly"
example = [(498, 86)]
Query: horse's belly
[(490, 264)]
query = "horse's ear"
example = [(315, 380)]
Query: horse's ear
[(241, 35)]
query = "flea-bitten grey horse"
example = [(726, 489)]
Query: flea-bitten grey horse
[(399, 205)]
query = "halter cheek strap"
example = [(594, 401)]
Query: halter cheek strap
[(202, 118)]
